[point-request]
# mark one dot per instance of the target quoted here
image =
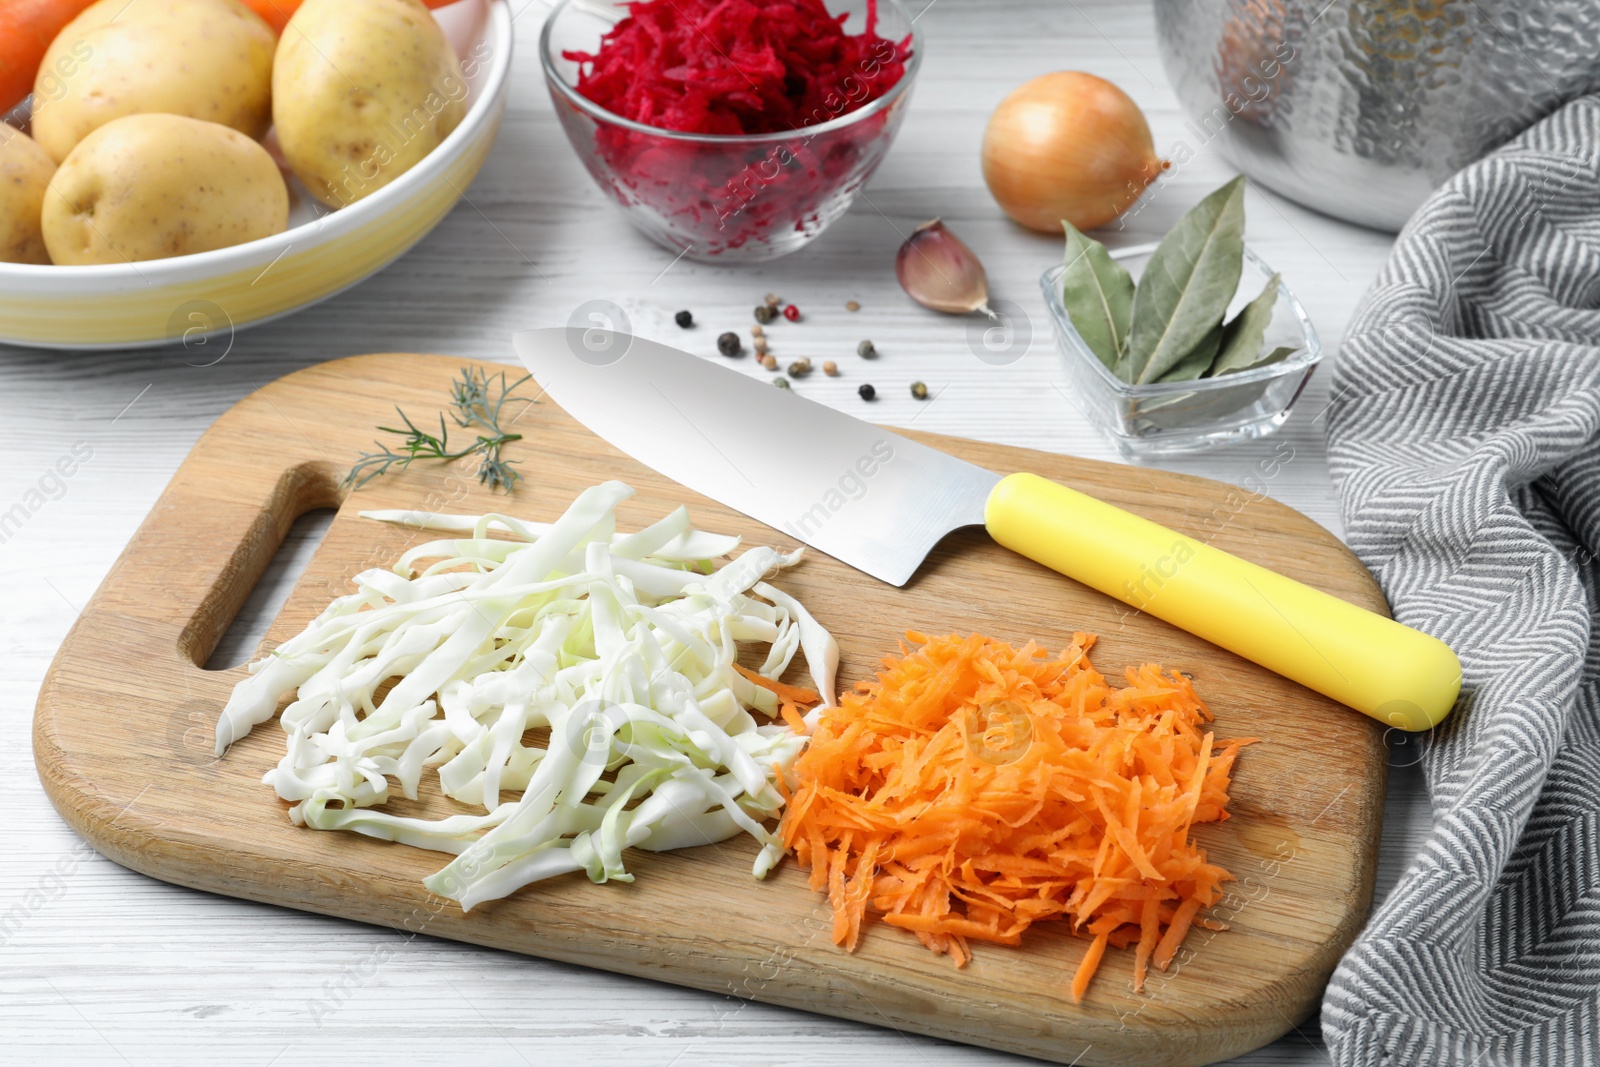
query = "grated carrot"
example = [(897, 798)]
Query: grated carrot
[(1090, 964), (975, 788), (791, 694), (795, 720)]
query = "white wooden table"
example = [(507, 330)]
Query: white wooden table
[(107, 966)]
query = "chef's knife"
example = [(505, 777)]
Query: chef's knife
[(880, 502)]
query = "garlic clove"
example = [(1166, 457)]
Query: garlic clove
[(938, 271)]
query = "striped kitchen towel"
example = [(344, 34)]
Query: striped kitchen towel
[(1465, 443)]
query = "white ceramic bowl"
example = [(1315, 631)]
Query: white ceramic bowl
[(189, 298)]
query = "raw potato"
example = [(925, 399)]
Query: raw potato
[(207, 59), (362, 91), (25, 172), (154, 186)]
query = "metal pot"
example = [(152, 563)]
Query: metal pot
[(1360, 108)]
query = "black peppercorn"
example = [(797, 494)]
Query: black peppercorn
[(729, 344), (867, 392), (684, 319)]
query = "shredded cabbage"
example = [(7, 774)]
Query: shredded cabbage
[(621, 646)]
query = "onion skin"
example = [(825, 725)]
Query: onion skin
[(1068, 146)]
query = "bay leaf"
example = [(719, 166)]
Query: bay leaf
[(1196, 363), (1277, 355), (1188, 284), (1193, 407), (1097, 292), (1242, 338)]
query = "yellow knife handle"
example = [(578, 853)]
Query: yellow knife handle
[(1397, 675)]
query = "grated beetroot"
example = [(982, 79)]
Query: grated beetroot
[(731, 68)]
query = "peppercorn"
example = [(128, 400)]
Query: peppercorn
[(770, 362), (729, 344), (831, 369), (684, 319), (919, 390), (772, 300), (765, 313), (867, 392), (800, 368), (866, 350), (761, 346), (851, 305), (781, 383), (791, 313)]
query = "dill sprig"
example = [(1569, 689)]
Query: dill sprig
[(477, 401)]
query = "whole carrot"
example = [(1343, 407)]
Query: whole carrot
[(26, 29), (278, 12), (275, 12)]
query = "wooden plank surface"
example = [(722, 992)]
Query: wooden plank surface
[(122, 741), (98, 963)]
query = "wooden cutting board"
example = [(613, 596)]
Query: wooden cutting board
[(122, 736)]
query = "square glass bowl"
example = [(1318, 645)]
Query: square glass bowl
[(1176, 418)]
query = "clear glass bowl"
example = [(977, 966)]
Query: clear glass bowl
[(1174, 418), (724, 199)]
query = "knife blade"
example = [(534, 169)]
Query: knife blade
[(880, 502)]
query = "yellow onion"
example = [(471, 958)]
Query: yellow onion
[(1068, 146)]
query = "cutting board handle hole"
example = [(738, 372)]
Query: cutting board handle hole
[(243, 636), (274, 541), (239, 642)]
